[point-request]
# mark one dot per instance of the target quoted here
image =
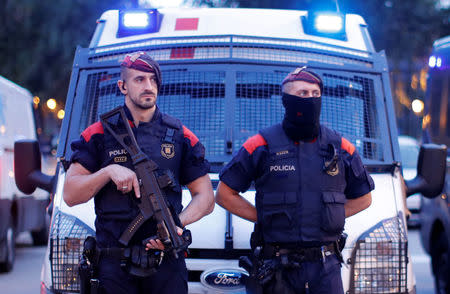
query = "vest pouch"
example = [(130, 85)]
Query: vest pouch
[(279, 217), (333, 216)]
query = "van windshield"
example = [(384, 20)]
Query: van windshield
[(226, 105)]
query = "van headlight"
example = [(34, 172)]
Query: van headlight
[(66, 245), (380, 259)]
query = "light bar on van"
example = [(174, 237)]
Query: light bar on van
[(325, 24), (328, 23), (137, 22)]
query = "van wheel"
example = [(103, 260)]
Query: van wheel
[(9, 248), (440, 260), (40, 237)]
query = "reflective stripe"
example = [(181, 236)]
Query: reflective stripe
[(254, 142), (93, 129), (347, 146)]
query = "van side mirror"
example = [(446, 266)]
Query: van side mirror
[(27, 167), (431, 169)]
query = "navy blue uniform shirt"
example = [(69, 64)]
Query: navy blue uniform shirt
[(245, 166), (184, 158), (88, 148)]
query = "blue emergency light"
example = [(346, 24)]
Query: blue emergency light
[(138, 21), (325, 24)]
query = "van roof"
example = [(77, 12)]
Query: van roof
[(14, 87), (272, 23)]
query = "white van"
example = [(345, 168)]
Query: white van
[(222, 70), (18, 212)]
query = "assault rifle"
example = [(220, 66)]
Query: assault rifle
[(152, 202)]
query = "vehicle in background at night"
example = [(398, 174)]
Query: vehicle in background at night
[(222, 70), (435, 214), (409, 152), (18, 212)]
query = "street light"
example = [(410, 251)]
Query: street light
[(417, 106), (60, 114), (51, 103)]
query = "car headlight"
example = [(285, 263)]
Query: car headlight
[(66, 245), (380, 259)]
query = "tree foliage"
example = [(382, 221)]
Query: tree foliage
[(38, 40)]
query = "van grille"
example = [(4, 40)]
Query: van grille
[(380, 259), (66, 245)]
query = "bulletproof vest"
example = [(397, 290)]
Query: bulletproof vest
[(162, 141), (296, 199)]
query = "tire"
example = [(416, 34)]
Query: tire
[(8, 245), (40, 238), (440, 261)]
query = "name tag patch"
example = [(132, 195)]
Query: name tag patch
[(120, 159)]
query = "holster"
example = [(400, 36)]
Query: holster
[(339, 246), (139, 262), (265, 275), (87, 267)]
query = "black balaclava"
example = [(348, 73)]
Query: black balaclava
[(302, 116), (301, 119)]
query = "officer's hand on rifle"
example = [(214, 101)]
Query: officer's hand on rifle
[(124, 178), (157, 244)]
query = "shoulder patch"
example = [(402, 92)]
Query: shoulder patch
[(347, 146), (254, 142), (190, 135), (96, 128)]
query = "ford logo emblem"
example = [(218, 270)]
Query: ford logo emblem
[(224, 279)]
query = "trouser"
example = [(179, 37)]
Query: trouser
[(170, 278), (315, 277)]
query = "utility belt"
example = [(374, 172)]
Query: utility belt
[(268, 262), (133, 259), (296, 254)]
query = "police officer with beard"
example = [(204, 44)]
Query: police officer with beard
[(102, 169), (308, 179)]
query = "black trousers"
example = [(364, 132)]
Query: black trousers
[(171, 278), (316, 277)]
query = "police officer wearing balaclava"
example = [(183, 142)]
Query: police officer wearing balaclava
[(308, 179)]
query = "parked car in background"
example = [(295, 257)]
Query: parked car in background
[(435, 214), (18, 212), (409, 153)]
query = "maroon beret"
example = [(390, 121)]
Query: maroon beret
[(302, 74), (143, 62)]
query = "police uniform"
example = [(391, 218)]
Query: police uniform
[(176, 150), (299, 202)]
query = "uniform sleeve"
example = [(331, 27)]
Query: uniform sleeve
[(243, 168), (193, 165), (86, 149), (359, 182)]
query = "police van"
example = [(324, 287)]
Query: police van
[(222, 70), (18, 212)]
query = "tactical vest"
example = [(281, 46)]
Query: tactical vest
[(162, 141), (296, 199)]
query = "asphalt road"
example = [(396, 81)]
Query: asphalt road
[(25, 277)]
